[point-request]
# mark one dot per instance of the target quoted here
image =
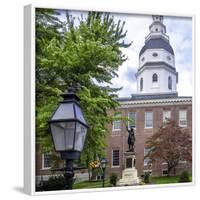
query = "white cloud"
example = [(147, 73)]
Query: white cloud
[(184, 88), (180, 32)]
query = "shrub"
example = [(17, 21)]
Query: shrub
[(184, 177), (113, 179), (146, 177), (55, 183)]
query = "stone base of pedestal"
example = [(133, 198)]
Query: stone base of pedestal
[(129, 177)]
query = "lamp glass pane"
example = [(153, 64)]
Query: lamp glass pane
[(63, 135), (69, 135), (64, 111), (79, 114), (80, 136), (57, 130)]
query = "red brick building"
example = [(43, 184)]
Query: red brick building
[(149, 112)]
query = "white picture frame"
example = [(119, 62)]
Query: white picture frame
[(29, 102)]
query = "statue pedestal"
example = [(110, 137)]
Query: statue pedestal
[(129, 174)]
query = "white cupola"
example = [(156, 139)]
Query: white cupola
[(156, 72)]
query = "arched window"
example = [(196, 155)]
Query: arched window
[(155, 78), (141, 84), (169, 82)]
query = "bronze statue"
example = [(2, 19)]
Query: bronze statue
[(131, 139)]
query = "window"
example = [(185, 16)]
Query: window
[(99, 177), (164, 172), (166, 115), (146, 160), (155, 81), (148, 119), (46, 161), (169, 82), (115, 158), (116, 124), (183, 118), (132, 117), (182, 161), (155, 78), (141, 84)]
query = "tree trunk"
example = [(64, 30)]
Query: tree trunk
[(174, 171), (169, 170)]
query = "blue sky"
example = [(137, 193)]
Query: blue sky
[(179, 30)]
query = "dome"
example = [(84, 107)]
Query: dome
[(157, 43)]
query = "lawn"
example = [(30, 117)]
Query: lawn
[(153, 180), (91, 184), (166, 179)]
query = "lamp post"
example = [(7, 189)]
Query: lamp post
[(68, 129), (103, 166)]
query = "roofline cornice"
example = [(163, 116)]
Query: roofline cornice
[(148, 65), (156, 102)]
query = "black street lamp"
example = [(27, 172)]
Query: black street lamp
[(68, 129), (103, 166)]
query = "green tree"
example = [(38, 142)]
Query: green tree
[(48, 26), (88, 53)]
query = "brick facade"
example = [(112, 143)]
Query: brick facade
[(118, 139)]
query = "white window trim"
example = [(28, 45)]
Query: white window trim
[(182, 162), (146, 164), (44, 168), (169, 82), (117, 129), (164, 170), (148, 127), (155, 84), (164, 119), (135, 119), (115, 166), (185, 119), (100, 178)]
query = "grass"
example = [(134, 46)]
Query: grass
[(153, 180), (166, 179), (91, 184)]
